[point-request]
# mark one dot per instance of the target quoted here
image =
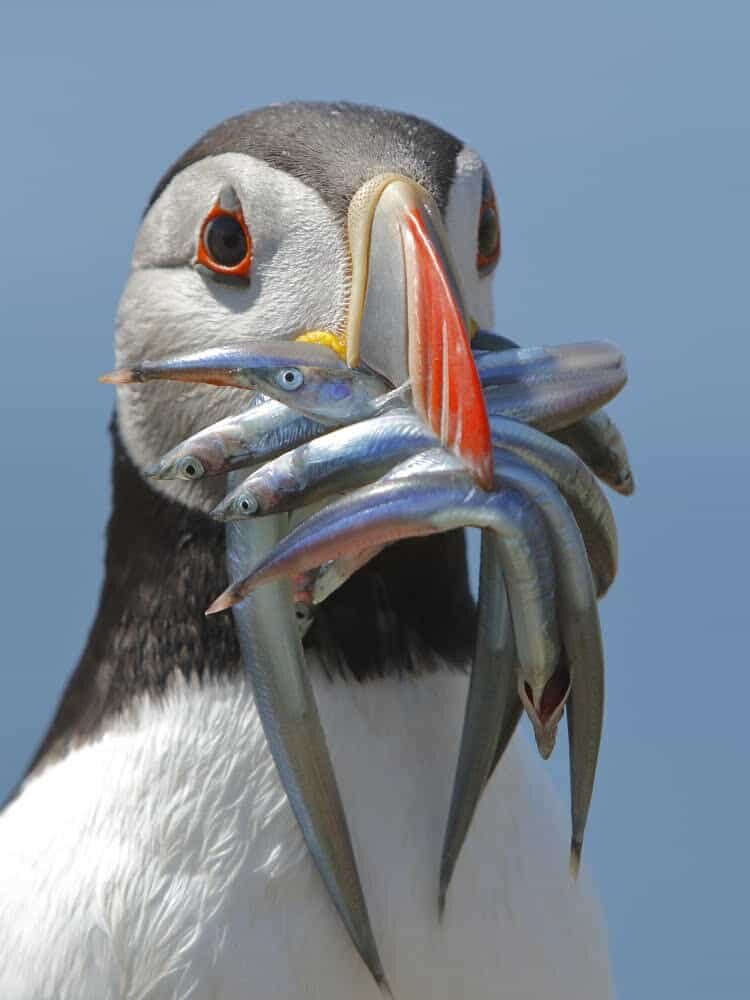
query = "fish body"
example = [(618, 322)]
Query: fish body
[(578, 486), (256, 435), (341, 460), (594, 437), (551, 387), (492, 707), (230, 364), (581, 639), (272, 652), (553, 404), (310, 378), (550, 364)]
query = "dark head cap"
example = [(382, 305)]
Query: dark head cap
[(333, 148)]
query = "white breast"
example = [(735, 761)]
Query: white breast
[(163, 861)]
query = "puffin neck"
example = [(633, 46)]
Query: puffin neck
[(410, 610)]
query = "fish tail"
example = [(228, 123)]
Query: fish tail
[(576, 847)]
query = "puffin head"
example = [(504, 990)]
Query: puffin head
[(346, 225)]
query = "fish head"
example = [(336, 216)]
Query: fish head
[(190, 461), (182, 466), (324, 393), (241, 503)]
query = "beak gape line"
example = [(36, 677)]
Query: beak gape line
[(504, 439)]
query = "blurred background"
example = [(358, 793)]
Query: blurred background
[(619, 142)]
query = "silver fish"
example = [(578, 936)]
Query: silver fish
[(272, 654), (508, 725), (231, 364), (338, 461), (581, 638), (256, 435), (310, 378), (584, 710), (550, 364), (440, 497), (552, 405), (578, 486), (594, 438), (492, 701), (551, 387), (494, 707)]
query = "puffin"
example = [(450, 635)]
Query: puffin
[(150, 850)]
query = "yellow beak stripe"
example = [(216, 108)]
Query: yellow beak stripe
[(336, 341)]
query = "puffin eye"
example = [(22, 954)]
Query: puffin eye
[(224, 245), (190, 468), (488, 231), (225, 241), (290, 378)]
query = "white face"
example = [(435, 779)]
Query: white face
[(298, 281)]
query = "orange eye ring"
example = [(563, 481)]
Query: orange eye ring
[(488, 231), (224, 234)]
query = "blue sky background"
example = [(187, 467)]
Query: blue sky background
[(619, 142)]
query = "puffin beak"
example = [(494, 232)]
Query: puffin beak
[(407, 317)]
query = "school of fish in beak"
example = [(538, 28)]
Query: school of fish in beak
[(403, 421), (357, 463)]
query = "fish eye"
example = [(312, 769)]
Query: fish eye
[(190, 468), (246, 503), (224, 244), (290, 379), (488, 230)]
